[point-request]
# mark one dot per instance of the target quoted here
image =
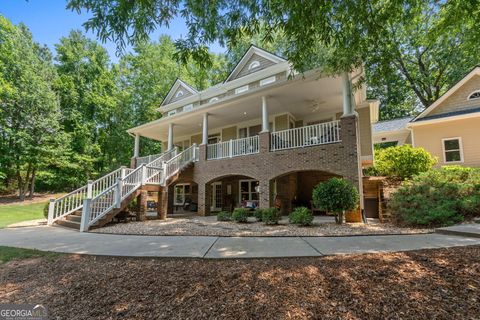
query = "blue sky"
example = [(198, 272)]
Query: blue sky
[(48, 20)]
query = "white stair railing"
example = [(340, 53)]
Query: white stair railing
[(179, 162), (73, 201), (158, 162), (317, 134)]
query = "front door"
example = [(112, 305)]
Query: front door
[(216, 204)]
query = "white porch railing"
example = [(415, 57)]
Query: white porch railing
[(233, 148), (322, 133)]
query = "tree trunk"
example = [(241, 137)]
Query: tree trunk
[(339, 217), (32, 183)]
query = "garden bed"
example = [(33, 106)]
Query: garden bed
[(426, 284), (209, 226)]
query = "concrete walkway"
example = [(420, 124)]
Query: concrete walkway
[(65, 240)]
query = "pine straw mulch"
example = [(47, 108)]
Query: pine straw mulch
[(426, 284)]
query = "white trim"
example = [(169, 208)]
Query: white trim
[(213, 99), (214, 197), (254, 64), (188, 107), (241, 89), (172, 113), (460, 146), (475, 71), (175, 87), (269, 80), (477, 98), (446, 119)]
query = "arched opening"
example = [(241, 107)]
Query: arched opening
[(183, 198), (233, 191), (294, 189)]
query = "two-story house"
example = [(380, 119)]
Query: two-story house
[(264, 137)]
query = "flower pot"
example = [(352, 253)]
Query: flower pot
[(353, 216)]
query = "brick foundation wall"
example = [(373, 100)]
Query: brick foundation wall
[(336, 158)]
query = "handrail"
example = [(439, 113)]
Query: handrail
[(317, 134), (233, 148)]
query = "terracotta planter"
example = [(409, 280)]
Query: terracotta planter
[(353, 216)]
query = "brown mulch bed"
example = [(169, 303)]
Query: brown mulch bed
[(426, 284)]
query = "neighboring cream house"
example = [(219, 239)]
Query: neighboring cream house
[(264, 137), (449, 129)]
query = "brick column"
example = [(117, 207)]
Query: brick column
[(264, 142), (162, 203), (202, 153), (142, 205), (204, 194), (264, 195)]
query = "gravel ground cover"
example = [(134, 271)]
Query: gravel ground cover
[(209, 226), (425, 284)]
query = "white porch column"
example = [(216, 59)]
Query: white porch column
[(265, 127), (205, 129), (136, 149), (347, 94), (170, 136)]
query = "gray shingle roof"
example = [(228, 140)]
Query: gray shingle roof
[(448, 114), (391, 125)]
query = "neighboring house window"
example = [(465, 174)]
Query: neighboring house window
[(182, 193), (179, 94), (452, 150), (253, 65), (171, 112), (474, 95), (248, 190), (188, 107), (267, 81), (213, 99), (241, 89)]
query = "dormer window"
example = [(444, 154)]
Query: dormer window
[(474, 95), (253, 65), (179, 94)]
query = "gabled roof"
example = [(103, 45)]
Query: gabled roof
[(449, 114), (246, 57), (176, 85), (458, 85), (391, 125)]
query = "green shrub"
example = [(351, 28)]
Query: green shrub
[(402, 161), (335, 195), (258, 214), (439, 197), (224, 216), (270, 216), (240, 215), (301, 216)]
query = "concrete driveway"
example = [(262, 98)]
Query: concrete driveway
[(59, 239)]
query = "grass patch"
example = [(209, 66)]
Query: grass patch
[(20, 212), (9, 253)]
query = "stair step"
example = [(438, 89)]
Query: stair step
[(77, 213), (69, 224), (75, 218)]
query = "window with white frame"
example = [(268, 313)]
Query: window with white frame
[(171, 112), (241, 89), (253, 65), (452, 150), (181, 193), (248, 190), (179, 94), (266, 81), (188, 107), (474, 95)]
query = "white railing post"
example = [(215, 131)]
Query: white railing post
[(84, 223), (122, 171), (144, 174), (118, 193), (90, 189), (51, 210), (230, 147)]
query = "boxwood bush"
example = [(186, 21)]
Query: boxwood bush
[(258, 214), (438, 197), (301, 216), (224, 216), (270, 216), (335, 196), (240, 215), (402, 161)]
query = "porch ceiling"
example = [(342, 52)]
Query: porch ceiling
[(303, 98)]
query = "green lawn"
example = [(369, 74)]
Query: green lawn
[(20, 212), (9, 253)]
